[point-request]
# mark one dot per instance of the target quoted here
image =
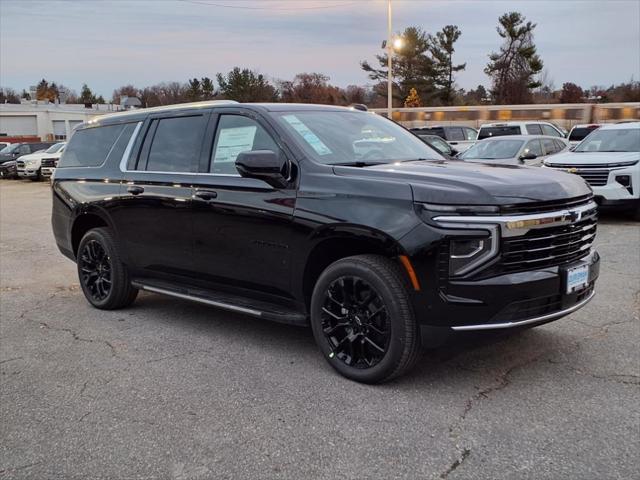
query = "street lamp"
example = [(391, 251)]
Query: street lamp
[(391, 44)]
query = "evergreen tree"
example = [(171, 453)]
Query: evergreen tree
[(412, 67), (246, 86), (513, 68), (442, 49)]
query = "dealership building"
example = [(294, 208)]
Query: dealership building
[(45, 120)]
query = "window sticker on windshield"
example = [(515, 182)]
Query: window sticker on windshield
[(309, 137), (232, 141)]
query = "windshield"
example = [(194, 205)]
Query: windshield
[(345, 138), (614, 140), (493, 150), (10, 148), (579, 133), (55, 148)]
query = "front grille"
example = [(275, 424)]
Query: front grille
[(553, 246), (48, 162), (543, 207), (595, 175)]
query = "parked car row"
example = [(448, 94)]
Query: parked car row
[(24, 160), (607, 156)]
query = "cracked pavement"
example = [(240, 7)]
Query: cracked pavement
[(168, 389)]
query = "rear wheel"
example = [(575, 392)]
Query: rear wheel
[(103, 277), (363, 321)]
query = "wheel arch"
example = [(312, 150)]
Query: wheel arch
[(333, 243), (86, 220)]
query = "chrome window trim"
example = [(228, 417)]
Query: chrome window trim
[(127, 154), (542, 318), (518, 225)]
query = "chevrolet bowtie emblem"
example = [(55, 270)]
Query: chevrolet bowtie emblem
[(572, 170)]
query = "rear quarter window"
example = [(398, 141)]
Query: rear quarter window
[(90, 147), (486, 132)]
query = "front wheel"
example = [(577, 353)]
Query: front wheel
[(103, 277), (363, 321)]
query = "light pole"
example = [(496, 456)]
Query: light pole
[(389, 54), (391, 44)]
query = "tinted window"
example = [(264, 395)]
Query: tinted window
[(549, 130), (470, 133), (550, 146), (24, 149), (89, 147), (486, 132), (579, 133), (534, 129), (534, 147), (236, 134), (455, 134), (560, 145), (176, 144)]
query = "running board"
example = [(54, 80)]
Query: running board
[(228, 302)]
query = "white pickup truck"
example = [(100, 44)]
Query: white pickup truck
[(30, 166)]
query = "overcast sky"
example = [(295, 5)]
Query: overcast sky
[(110, 43)]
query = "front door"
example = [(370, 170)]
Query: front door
[(242, 226), (155, 217)]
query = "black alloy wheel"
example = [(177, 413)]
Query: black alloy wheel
[(95, 266), (355, 322), (362, 318), (103, 276)]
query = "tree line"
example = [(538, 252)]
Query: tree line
[(423, 73)]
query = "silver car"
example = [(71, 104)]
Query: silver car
[(515, 149)]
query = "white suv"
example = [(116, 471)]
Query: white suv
[(609, 160), (519, 128), (29, 166)]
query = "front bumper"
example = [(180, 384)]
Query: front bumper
[(27, 173), (47, 171)]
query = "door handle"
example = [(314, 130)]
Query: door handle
[(135, 189), (453, 143), (206, 195)]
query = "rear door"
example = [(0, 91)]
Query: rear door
[(242, 226), (155, 219)]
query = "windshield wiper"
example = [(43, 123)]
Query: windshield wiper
[(358, 163)]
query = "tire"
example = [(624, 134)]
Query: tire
[(339, 309), (103, 277)]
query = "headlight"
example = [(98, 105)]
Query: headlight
[(465, 254)]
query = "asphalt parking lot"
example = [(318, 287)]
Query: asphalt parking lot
[(171, 389)]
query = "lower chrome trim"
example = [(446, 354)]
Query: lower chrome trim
[(543, 318), (213, 303)]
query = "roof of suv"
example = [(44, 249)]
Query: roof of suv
[(520, 137), (620, 126), (271, 107), (515, 123)]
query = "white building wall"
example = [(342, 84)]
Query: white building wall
[(37, 119)]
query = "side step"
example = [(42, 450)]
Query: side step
[(229, 302)]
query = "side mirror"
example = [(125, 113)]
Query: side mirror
[(528, 156), (454, 152), (263, 165)]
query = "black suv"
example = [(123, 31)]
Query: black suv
[(322, 216)]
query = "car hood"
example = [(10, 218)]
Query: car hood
[(456, 182), (592, 158), (34, 156)]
